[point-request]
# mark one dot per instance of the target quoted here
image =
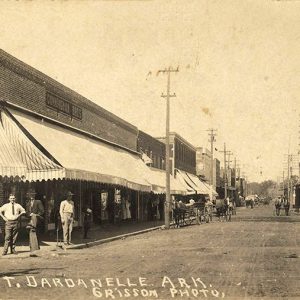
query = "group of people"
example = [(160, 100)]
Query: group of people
[(282, 202), (12, 211)]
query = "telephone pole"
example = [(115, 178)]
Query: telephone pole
[(283, 182), (168, 96), (212, 140), (225, 170), (291, 160)]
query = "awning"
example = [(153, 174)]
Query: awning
[(202, 188), (190, 187), (195, 183), (157, 178), (80, 157), (17, 153), (10, 165), (215, 193)]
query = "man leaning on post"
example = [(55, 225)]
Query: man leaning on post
[(66, 212), (10, 213)]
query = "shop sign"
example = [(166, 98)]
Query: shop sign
[(103, 199), (63, 106)]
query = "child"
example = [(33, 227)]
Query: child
[(87, 216)]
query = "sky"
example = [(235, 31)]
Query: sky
[(238, 61)]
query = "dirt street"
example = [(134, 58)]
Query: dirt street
[(253, 257)]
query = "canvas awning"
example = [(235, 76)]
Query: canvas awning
[(210, 187), (10, 165), (77, 156), (195, 183), (157, 178), (202, 188), (191, 189), (17, 153)]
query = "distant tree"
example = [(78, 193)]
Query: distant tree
[(266, 188)]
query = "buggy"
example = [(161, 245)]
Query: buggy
[(223, 210)]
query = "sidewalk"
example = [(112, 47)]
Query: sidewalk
[(97, 235)]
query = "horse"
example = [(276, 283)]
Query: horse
[(221, 208), (277, 206), (178, 213), (286, 205)]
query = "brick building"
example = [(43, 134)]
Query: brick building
[(30, 89), (152, 148), (203, 163), (182, 154), (183, 164), (55, 140), (217, 173)]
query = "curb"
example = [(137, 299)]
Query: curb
[(111, 239)]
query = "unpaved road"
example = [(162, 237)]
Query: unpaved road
[(253, 257)]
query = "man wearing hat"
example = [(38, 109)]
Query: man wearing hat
[(66, 212), (35, 211)]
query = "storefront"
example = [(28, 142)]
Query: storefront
[(54, 159)]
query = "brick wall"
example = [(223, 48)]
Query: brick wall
[(155, 149), (22, 85), (185, 157)]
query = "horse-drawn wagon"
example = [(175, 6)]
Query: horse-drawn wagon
[(186, 214), (223, 209)]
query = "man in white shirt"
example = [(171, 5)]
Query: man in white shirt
[(66, 212), (10, 213)]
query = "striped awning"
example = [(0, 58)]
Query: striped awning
[(57, 152), (157, 178), (28, 161), (188, 186), (195, 183), (10, 164)]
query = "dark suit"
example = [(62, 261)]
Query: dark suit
[(36, 208)]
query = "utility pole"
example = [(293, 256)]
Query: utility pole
[(288, 177), (168, 96), (225, 173), (212, 140), (235, 173), (225, 170), (291, 160), (283, 182), (229, 161)]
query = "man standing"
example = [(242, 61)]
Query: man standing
[(10, 213), (66, 212), (35, 210)]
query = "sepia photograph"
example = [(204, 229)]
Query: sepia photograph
[(149, 149)]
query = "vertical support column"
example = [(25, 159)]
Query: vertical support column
[(80, 205), (138, 206), (2, 224)]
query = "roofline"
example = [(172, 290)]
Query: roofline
[(71, 128), (19, 67), (175, 134)]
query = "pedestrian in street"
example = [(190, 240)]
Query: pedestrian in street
[(277, 205), (11, 213), (286, 204), (35, 211), (66, 212), (87, 221)]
